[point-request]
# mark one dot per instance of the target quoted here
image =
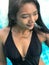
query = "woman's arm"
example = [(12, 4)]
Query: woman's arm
[(2, 56), (41, 62), (43, 37), (47, 39)]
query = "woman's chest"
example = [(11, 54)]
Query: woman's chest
[(19, 48), (22, 45)]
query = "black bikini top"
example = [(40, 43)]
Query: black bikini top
[(32, 55)]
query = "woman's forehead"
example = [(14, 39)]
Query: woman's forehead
[(28, 7)]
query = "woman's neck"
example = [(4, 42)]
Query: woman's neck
[(22, 32)]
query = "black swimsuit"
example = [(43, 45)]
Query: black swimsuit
[(32, 56)]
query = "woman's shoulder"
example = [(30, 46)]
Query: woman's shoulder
[(4, 33), (41, 36)]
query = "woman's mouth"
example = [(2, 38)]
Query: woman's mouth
[(30, 25)]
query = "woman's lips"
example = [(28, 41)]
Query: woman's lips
[(30, 25)]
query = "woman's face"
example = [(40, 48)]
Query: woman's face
[(27, 16)]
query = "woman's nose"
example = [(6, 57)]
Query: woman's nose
[(31, 19)]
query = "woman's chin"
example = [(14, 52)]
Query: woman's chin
[(30, 28)]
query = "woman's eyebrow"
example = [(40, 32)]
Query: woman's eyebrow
[(35, 11), (28, 13), (25, 14)]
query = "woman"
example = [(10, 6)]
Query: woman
[(21, 40)]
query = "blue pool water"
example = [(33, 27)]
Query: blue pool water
[(9, 62), (45, 53)]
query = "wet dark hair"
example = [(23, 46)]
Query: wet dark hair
[(14, 6)]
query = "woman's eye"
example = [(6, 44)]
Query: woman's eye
[(24, 16)]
